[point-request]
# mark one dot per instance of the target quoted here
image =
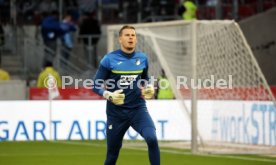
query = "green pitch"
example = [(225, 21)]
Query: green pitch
[(93, 153)]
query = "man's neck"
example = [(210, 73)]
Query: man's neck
[(127, 51)]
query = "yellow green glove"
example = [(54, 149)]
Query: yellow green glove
[(148, 91), (117, 97)]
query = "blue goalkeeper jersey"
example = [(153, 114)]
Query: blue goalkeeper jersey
[(123, 71)]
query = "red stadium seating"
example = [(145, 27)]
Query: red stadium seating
[(65, 94)]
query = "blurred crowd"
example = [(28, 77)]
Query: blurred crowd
[(55, 23), (32, 11), (118, 11)]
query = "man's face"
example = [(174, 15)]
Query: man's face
[(128, 39)]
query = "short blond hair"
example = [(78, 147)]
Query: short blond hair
[(125, 27)]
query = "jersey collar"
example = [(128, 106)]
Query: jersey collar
[(127, 55)]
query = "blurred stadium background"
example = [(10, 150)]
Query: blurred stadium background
[(77, 116)]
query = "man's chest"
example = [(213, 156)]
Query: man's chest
[(128, 66)]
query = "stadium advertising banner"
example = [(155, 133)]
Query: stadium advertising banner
[(81, 120), (246, 122), (233, 121)]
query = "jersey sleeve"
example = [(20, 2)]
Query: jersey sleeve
[(145, 75), (105, 62), (101, 75)]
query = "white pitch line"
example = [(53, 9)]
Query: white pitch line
[(48, 154), (67, 154), (221, 156), (180, 152)]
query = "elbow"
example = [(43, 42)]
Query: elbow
[(97, 90)]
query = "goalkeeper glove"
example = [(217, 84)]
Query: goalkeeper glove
[(116, 97), (148, 91)]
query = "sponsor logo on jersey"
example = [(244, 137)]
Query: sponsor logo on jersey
[(127, 79)]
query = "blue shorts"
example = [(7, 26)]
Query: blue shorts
[(117, 125)]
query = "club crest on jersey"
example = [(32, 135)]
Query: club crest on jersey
[(138, 62)]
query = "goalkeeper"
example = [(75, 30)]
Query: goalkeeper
[(121, 71)]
